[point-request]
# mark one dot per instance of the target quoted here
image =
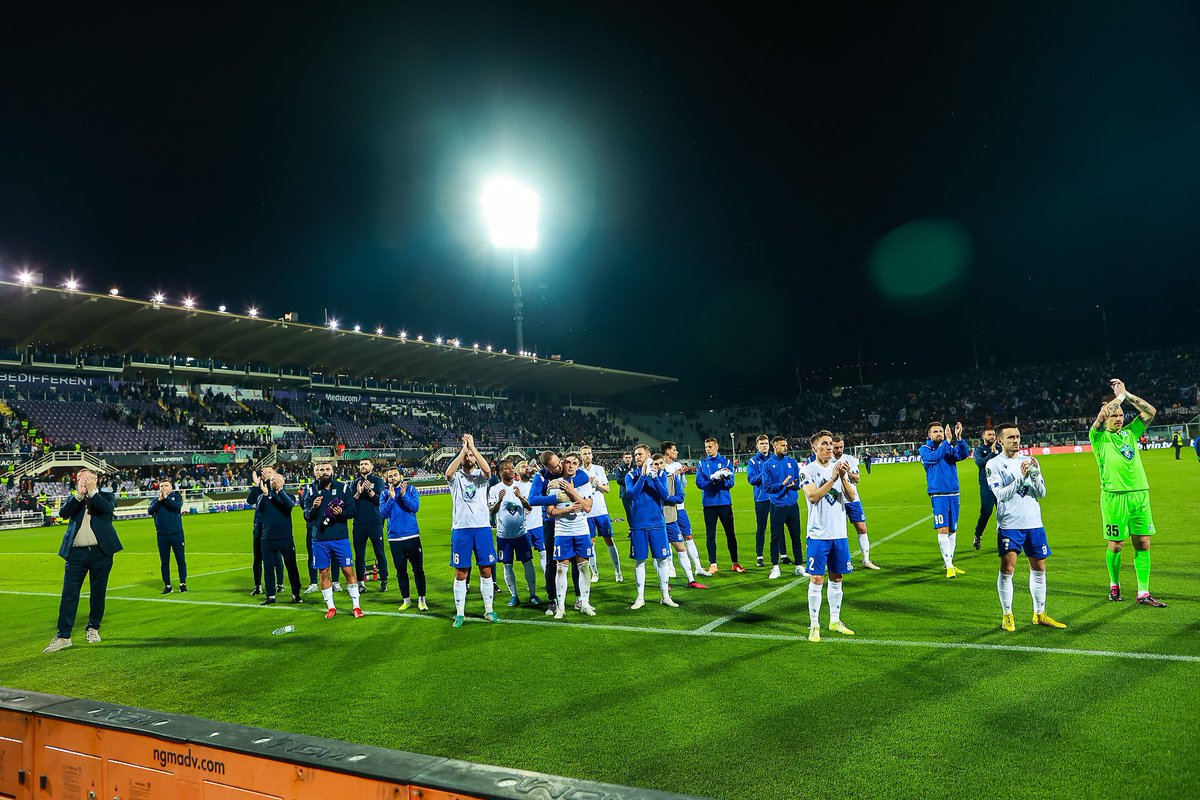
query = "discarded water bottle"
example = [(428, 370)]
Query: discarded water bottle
[(284, 629)]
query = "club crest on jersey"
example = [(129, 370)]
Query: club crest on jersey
[(831, 498), (469, 492), (1127, 451), (512, 509)]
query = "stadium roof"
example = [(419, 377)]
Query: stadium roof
[(58, 318)]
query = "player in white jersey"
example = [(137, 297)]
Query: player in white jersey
[(671, 452), (598, 520), (572, 539), (507, 503), (471, 531), (828, 547), (1016, 481), (854, 509)]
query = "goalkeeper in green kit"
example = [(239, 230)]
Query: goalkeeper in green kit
[(1124, 491)]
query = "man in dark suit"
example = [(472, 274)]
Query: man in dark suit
[(87, 547), (167, 512)]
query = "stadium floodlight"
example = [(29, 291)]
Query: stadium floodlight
[(252, 311), (358, 328), (439, 340), (189, 302), (504, 351), (71, 284), (25, 278), (221, 308), (489, 348), (456, 342), (333, 324), (475, 346), (420, 337), (379, 331), (159, 297), (403, 334), (114, 291), (511, 211)]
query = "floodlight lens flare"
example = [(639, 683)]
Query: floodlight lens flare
[(511, 211)]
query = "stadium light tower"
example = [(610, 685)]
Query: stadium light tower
[(511, 211)]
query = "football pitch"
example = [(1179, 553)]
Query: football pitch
[(723, 697)]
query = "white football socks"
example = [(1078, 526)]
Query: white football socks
[(510, 579), (328, 595), (542, 556), (585, 586), (639, 576), (592, 561), (530, 578), (1005, 589), (460, 597), (835, 601), (1037, 588), (693, 553), (947, 550), (616, 558), (352, 590), (664, 576), (686, 563), (864, 546), (487, 588), (560, 582), (814, 604)]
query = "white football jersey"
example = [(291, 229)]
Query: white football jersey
[(575, 523), (1017, 505), (533, 519), (510, 519), (852, 462), (675, 468), (827, 516), (599, 501), (468, 493)]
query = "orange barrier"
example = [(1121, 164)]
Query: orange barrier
[(59, 748)]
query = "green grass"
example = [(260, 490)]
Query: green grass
[(907, 707)]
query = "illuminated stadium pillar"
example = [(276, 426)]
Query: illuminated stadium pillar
[(511, 210)]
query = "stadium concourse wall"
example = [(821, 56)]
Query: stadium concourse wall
[(62, 748)]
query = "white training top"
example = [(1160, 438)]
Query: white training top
[(575, 523), (510, 518), (826, 517), (1017, 496), (852, 462), (599, 501), (533, 519), (676, 468), (468, 493)]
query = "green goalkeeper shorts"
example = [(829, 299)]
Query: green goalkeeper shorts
[(1126, 514)]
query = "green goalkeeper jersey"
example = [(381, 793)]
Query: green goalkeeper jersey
[(1117, 456)]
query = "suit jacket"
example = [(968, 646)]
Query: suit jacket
[(101, 504)]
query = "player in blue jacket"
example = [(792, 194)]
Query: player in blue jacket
[(940, 457), (762, 505), (646, 488), (781, 482), (398, 505), (714, 477)]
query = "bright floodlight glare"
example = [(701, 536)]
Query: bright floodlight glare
[(188, 302), (357, 328), (221, 308), (420, 337), (159, 297), (511, 211), (456, 342), (379, 331), (114, 291), (403, 334), (252, 311), (333, 323), (24, 277), (489, 348), (439, 340), (72, 284)]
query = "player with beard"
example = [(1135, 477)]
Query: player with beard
[(368, 523), (471, 533), (331, 506)]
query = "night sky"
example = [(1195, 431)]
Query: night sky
[(730, 179)]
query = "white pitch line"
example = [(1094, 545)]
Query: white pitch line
[(123, 552), (753, 604), (190, 575), (771, 637)]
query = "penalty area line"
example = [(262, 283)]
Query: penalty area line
[(753, 604)]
